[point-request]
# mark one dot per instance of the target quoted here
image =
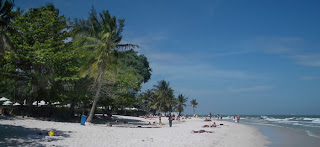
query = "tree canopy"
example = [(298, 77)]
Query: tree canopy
[(47, 56)]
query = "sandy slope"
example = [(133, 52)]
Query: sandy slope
[(13, 132)]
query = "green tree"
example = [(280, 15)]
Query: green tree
[(146, 100), (102, 35), (6, 17), (132, 71), (194, 105), (43, 52), (164, 98), (181, 100)]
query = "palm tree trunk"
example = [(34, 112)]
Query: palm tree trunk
[(194, 112), (2, 45), (96, 98)]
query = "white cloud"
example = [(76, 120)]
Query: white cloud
[(250, 89), (310, 78), (145, 42), (308, 59), (275, 45), (293, 47)]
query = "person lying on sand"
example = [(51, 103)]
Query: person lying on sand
[(202, 131), (207, 126), (207, 119)]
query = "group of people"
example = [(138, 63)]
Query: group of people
[(171, 118), (213, 125), (219, 117), (236, 118)]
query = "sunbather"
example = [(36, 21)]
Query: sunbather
[(202, 131), (207, 119), (205, 126), (214, 124)]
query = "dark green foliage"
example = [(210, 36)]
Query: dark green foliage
[(100, 36), (181, 100), (6, 17), (56, 62), (160, 99), (194, 105), (47, 68)]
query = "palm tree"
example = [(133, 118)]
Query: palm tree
[(181, 103), (146, 99), (6, 17), (164, 98), (100, 36), (194, 104)]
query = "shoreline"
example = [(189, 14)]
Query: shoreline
[(130, 134), (286, 137)]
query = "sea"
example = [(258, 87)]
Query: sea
[(285, 130)]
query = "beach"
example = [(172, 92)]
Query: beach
[(129, 131)]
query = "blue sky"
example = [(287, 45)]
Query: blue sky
[(234, 57)]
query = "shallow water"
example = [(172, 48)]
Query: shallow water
[(286, 130)]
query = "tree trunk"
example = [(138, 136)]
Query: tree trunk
[(96, 98), (72, 109), (194, 112), (2, 46)]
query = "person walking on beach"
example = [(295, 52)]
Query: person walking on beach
[(210, 115), (170, 120), (238, 118)]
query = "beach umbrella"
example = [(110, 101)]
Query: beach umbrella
[(3, 99), (42, 103), (34, 103), (56, 103), (6, 103), (9, 102), (16, 104)]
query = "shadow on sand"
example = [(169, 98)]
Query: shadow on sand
[(11, 135), (127, 123)]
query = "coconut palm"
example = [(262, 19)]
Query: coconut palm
[(181, 103), (100, 36), (164, 98), (146, 99), (6, 17), (194, 105)]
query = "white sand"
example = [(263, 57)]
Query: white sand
[(13, 132)]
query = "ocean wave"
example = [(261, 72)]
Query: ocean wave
[(311, 134), (306, 125), (284, 121), (266, 124)]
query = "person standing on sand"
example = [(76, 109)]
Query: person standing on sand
[(210, 115), (159, 118), (238, 118), (170, 120)]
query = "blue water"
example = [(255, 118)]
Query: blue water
[(286, 130)]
